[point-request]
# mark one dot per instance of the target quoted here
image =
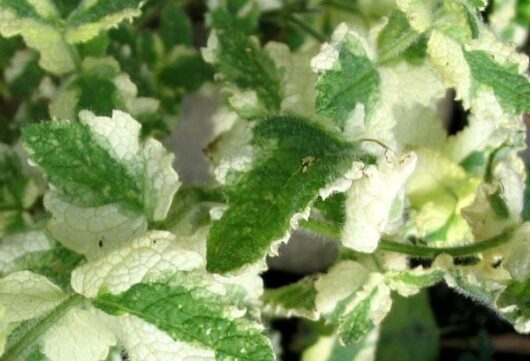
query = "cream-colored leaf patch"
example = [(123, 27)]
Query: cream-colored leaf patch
[(149, 256), (369, 201), (78, 336), (26, 295)]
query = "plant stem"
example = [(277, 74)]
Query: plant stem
[(308, 29), (459, 251), (26, 341), (330, 231)]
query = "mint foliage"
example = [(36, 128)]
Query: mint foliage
[(512, 89), (38, 23), (328, 121), (200, 319), (298, 160), (73, 144), (354, 81)]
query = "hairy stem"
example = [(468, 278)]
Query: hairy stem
[(459, 251), (27, 340), (330, 231)]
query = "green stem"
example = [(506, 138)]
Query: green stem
[(308, 29), (459, 251), (330, 231), (27, 340)]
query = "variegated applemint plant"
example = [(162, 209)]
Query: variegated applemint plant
[(330, 120)]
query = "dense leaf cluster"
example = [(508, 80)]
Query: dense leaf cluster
[(329, 120)]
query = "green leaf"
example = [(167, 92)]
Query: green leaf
[(515, 299), (90, 18), (35, 251), (65, 7), (27, 295), (242, 63), (191, 314), (370, 199), (96, 47), (329, 348), (141, 340), (93, 89), (187, 72), (348, 81), (516, 257), (101, 88), (297, 299), (498, 204), (458, 19), (419, 12), (14, 221), (437, 189), (523, 12), (8, 48), (190, 209), (231, 150), (56, 264), (472, 16), (516, 293), (18, 191), (511, 88), (80, 167), (156, 251), (64, 324), (43, 28), (239, 15), (297, 77), (296, 159), (357, 322), (97, 336), (410, 282), (175, 26), (92, 230), (409, 332), (160, 259), (353, 299), (36, 25), (36, 355), (14, 247), (396, 37), (496, 99), (480, 283), (107, 182), (332, 209), (24, 74)]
